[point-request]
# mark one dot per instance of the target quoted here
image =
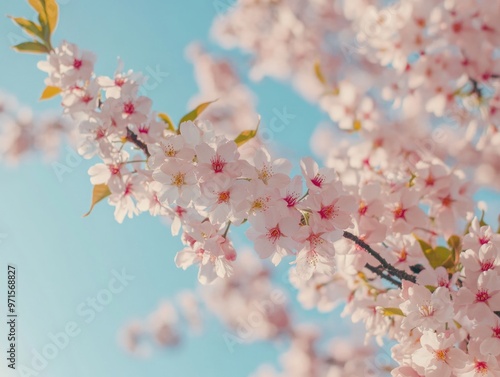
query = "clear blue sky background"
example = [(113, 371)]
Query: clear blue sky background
[(63, 258)]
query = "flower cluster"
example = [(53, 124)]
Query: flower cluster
[(21, 134), (430, 63)]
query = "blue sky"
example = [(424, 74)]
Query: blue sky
[(62, 258)]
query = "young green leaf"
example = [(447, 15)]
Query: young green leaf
[(164, 117), (29, 27), (392, 311), (246, 135), (99, 193), (423, 245), (31, 47), (439, 256), (48, 12), (192, 115)]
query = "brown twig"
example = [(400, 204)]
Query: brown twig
[(400, 274)]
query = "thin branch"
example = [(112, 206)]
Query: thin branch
[(227, 229), (402, 275), (380, 273), (132, 137)]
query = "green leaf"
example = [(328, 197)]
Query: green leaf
[(439, 256), (192, 115), (392, 311), (29, 27), (48, 12), (247, 135), (31, 47), (164, 117), (423, 245), (50, 91), (98, 193)]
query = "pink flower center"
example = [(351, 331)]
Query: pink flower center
[(487, 265), (483, 240), (481, 367), (430, 181), (482, 296), (274, 234), (265, 173), (291, 199), (223, 197), (362, 208), (218, 163), (128, 189), (328, 212), (114, 169), (447, 201), (180, 211), (457, 27), (77, 63), (402, 256), (119, 81), (128, 108), (178, 179), (100, 133), (496, 332), (87, 98), (441, 354), (399, 213), (259, 204), (144, 129), (318, 180)]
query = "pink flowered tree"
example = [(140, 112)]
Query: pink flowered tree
[(386, 225)]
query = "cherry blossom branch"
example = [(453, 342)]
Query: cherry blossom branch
[(402, 275), (132, 137), (380, 273)]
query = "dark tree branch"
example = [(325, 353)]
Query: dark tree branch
[(132, 137), (402, 275), (380, 273)]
